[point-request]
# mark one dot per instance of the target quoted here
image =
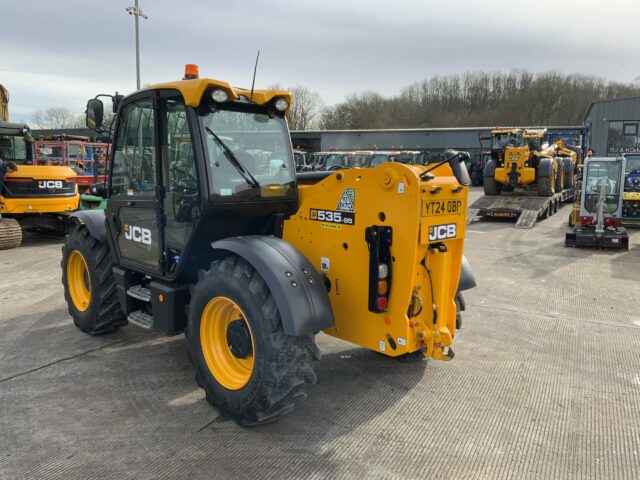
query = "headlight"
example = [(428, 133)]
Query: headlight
[(281, 104), (219, 95)]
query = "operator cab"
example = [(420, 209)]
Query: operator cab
[(192, 162), (502, 139), (15, 143), (602, 181)]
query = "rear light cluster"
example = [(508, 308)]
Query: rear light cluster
[(379, 240), (590, 221)]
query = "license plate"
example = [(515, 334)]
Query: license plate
[(442, 207), (501, 214)]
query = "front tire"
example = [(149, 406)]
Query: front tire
[(249, 368), (89, 286), (545, 182)]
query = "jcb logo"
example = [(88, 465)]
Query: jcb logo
[(50, 184), (137, 234), (440, 232)]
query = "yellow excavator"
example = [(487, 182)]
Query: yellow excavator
[(39, 197)]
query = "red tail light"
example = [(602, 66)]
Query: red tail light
[(18, 179)]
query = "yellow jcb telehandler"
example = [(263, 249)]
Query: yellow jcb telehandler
[(220, 238), (521, 159)]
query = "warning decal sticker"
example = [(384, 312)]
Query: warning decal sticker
[(347, 201)]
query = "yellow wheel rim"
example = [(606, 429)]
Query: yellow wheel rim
[(78, 280), (231, 371)]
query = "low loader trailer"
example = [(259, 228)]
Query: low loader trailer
[(523, 205)]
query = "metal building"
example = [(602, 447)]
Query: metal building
[(433, 140), (614, 126)]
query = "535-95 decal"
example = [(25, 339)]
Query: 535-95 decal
[(332, 216)]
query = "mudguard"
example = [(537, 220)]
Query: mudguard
[(297, 288), (95, 222), (467, 279), (490, 169)]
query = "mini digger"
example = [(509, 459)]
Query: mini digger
[(208, 230), (600, 205)]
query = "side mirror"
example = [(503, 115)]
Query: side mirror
[(97, 189), (457, 162), (95, 114)]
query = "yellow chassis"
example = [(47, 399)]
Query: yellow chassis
[(418, 211)]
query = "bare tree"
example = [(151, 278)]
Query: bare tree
[(479, 99), (56, 117), (306, 107)]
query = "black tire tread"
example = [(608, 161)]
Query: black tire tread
[(290, 366), (567, 165), (107, 314), (491, 186), (10, 233), (560, 178), (543, 186)]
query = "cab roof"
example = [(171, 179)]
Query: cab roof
[(535, 132), (513, 131), (192, 91)]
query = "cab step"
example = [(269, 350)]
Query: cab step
[(139, 292), (141, 319)]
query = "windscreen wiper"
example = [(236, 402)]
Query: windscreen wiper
[(233, 160)]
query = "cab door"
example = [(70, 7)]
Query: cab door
[(134, 213)]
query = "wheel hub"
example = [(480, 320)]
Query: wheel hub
[(239, 339)]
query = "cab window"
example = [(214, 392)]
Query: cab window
[(134, 172)]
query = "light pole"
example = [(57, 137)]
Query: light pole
[(137, 12)]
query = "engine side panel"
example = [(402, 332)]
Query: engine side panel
[(428, 221)]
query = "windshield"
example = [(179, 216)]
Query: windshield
[(333, 160), (606, 176), (15, 149), (379, 159), (534, 143), (260, 145), (633, 164), (299, 159), (359, 159), (571, 139), (503, 140)]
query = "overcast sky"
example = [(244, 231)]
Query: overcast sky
[(60, 53)]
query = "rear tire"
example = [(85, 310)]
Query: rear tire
[(567, 166), (91, 296), (280, 365), (559, 178)]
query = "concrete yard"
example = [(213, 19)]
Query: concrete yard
[(545, 383)]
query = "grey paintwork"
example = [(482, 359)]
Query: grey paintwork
[(297, 287)]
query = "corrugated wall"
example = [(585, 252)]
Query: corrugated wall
[(407, 139), (601, 113)]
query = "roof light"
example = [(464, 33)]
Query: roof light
[(191, 71), (219, 95), (281, 104)]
